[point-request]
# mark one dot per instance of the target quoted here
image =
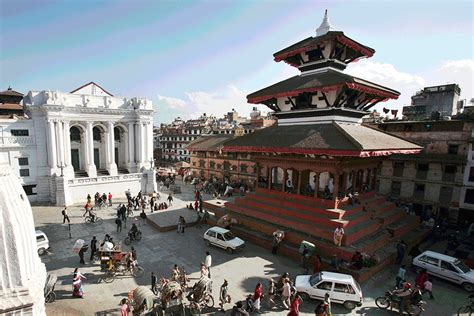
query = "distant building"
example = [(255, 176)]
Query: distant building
[(10, 103), (438, 181), (434, 103)]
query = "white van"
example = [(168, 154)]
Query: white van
[(42, 242), (446, 267), (342, 288)]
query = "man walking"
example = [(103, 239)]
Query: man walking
[(93, 247), (400, 276), (110, 199), (65, 216), (118, 221), (401, 249), (208, 263), (170, 199), (154, 281)]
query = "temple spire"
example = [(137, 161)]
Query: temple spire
[(325, 25)]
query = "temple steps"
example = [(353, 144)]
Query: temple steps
[(102, 172)]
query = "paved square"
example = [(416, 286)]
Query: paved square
[(158, 252)]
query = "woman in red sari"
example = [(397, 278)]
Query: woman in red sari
[(257, 295), (295, 306)]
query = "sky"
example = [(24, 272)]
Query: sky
[(194, 57)]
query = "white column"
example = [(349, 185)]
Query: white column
[(111, 165), (131, 147), (149, 136), (139, 145), (60, 143), (52, 146), (67, 144), (90, 167)]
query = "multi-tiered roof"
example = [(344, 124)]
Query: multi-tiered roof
[(322, 94), (322, 85)]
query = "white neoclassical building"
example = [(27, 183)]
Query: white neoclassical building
[(87, 141)]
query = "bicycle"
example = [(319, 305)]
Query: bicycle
[(96, 219), (467, 309)]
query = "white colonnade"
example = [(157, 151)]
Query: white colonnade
[(139, 147)]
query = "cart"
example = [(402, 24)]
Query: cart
[(200, 295), (49, 294), (171, 299), (116, 264), (143, 300)]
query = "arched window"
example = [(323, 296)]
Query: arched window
[(96, 134), (75, 134)]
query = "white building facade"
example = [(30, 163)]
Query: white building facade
[(80, 143)]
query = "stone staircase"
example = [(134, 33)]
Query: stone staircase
[(373, 226), (102, 172), (80, 174)]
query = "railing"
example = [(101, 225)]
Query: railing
[(17, 140), (105, 179)]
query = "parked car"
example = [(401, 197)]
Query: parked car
[(223, 238), (342, 288), (446, 267), (42, 242)]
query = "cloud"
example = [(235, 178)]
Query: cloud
[(389, 76), (459, 71), (173, 103), (216, 103)]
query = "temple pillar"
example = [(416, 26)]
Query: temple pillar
[(316, 184), (149, 144), (345, 180), (298, 188), (90, 166), (335, 192), (111, 165), (131, 147), (69, 170), (269, 177), (374, 179), (285, 177)]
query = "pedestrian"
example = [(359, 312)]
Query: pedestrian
[(93, 247), (125, 308), (274, 244), (421, 278), (295, 306), (118, 221), (170, 199), (335, 262), (338, 234), (320, 310), (133, 251), (238, 310), (110, 199), (304, 258), (428, 287), (81, 254), (77, 288), (152, 204), (89, 199), (154, 281), (88, 208), (400, 276), (143, 216), (65, 216), (257, 295), (208, 263), (224, 296), (203, 270), (327, 304), (285, 294), (401, 249), (271, 293), (317, 264), (183, 223)]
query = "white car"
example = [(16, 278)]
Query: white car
[(446, 267), (42, 242), (342, 288), (223, 238)]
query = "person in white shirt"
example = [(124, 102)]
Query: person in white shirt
[(286, 293), (208, 263)]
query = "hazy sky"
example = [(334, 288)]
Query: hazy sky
[(190, 57)]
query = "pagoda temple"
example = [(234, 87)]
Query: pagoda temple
[(318, 154)]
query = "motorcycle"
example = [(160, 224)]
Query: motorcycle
[(390, 300), (131, 237)]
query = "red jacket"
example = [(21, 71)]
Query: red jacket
[(258, 293), (294, 308)]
